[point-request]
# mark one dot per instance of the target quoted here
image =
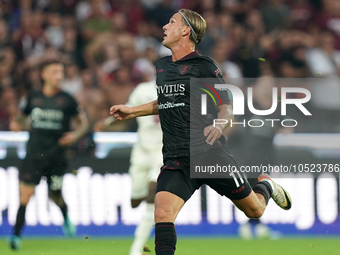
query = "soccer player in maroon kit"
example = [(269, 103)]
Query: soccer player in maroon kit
[(174, 187), (51, 112)]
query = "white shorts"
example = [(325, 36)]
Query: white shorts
[(145, 168)]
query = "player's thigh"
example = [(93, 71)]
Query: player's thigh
[(177, 182), (54, 171), (31, 171), (235, 187)]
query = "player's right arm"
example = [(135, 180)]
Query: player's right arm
[(20, 121), (124, 112)]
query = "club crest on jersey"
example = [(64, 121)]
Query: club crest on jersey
[(183, 69), (217, 71), (59, 101)]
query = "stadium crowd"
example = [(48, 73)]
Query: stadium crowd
[(109, 46)]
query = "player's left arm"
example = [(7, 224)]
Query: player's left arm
[(215, 131), (225, 116), (82, 126)]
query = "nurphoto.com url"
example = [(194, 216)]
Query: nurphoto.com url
[(268, 168)]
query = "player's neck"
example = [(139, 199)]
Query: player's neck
[(49, 91), (179, 51)]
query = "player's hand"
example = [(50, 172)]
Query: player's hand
[(212, 133), (122, 112), (14, 125), (68, 139)]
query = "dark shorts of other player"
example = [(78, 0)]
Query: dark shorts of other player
[(33, 169), (175, 178)]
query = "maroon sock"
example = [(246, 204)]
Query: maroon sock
[(165, 238), (20, 221), (264, 189)]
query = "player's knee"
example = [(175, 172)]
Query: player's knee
[(254, 213), (163, 214), (24, 199)]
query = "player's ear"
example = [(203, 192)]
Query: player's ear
[(186, 30)]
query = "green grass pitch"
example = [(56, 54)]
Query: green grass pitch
[(185, 246)]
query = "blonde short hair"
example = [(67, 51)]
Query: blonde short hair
[(196, 23)]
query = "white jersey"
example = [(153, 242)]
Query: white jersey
[(149, 128)]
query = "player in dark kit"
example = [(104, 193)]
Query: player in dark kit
[(51, 111), (174, 187)]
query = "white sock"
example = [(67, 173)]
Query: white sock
[(143, 230)]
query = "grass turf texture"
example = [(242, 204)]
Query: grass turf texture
[(211, 246)]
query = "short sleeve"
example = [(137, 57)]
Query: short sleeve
[(211, 70)]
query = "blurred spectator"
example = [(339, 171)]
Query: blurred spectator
[(54, 31), (226, 23), (293, 63), (275, 15), (97, 22), (6, 79), (162, 13), (118, 91), (302, 15), (129, 59), (220, 55), (143, 39), (249, 53), (5, 40), (329, 19), (324, 61), (29, 39), (119, 24), (71, 47), (133, 12), (95, 54), (32, 78), (91, 98), (8, 107), (72, 82), (83, 9), (254, 20), (292, 60), (239, 8), (150, 4), (212, 34)]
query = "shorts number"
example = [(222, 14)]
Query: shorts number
[(235, 178)]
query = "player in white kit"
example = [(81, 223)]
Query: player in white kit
[(145, 162)]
